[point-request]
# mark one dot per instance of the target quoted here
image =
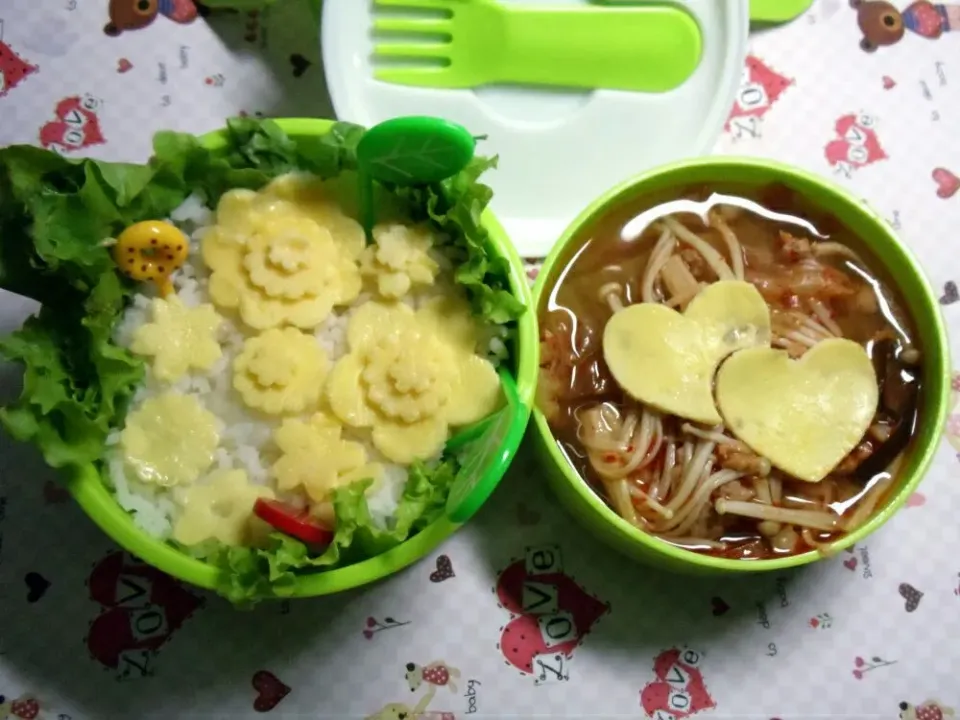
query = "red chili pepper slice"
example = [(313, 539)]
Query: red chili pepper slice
[(293, 522)]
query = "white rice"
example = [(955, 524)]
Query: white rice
[(246, 438)]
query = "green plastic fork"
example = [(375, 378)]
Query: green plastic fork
[(481, 42)]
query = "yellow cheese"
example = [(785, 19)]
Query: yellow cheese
[(273, 263), (280, 371), (668, 360), (179, 338), (233, 212), (409, 376), (170, 439), (219, 509), (317, 459), (399, 259), (318, 199), (803, 415)]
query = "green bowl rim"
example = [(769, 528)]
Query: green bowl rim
[(936, 366), (97, 501)]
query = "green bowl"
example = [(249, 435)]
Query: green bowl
[(902, 268), (97, 501)]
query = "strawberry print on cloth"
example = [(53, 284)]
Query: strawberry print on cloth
[(678, 689), (550, 614), (927, 710), (28, 707), (25, 707), (436, 674), (431, 676), (401, 711)]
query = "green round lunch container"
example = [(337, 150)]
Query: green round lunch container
[(900, 266), (96, 500)]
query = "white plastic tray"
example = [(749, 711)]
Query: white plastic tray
[(558, 151)]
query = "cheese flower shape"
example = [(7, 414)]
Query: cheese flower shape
[(219, 509), (321, 201), (179, 338), (409, 376), (399, 259), (170, 439), (280, 371), (316, 458), (287, 270)]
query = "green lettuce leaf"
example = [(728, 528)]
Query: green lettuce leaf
[(456, 207), (251, 574), (54, 217), (256, 151)]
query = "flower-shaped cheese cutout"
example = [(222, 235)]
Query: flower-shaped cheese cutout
[(291, 260), (179, 338), (668, 360), (399, 259), (219, 509), (317, 199), (804, 415), (287, 270), (410, 376), (281, 371), (170, 439), (317, 459), (236, 214)]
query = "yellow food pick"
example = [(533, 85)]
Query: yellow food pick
[(804, 415), (219, 509), (281, 371), (317, 459), (151, 251), (409, 376), (170, 439), (280, 267), (178, 338), (668, 360), (399, 259)]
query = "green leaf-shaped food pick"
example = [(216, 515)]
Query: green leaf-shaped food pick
[(484, 450), (409, 151)]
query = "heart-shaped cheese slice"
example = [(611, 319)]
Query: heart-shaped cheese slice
[(667, 360), (803, 415)]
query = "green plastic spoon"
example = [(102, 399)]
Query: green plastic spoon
[(777, 11), (410, 150), (761, 11)]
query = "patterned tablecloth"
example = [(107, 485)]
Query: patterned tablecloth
[(520, 614)]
